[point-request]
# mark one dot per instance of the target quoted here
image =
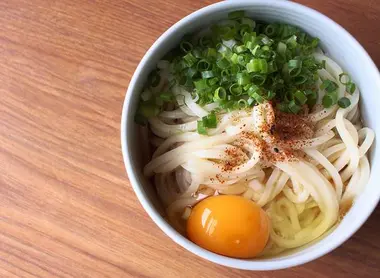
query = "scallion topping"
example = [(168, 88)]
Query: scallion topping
[(240, 64), (344, 78), (329, 86), (236, 15), (300, 97), (186, 46), (351, 87), (201, 128), (257, 97), (220, 94), (242, 103), (344, 102), (294, 107), (329, 100)]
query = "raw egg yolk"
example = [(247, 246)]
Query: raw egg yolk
[(229, 225)]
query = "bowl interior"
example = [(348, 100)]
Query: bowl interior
[(338, 44)]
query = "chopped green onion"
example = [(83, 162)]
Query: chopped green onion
[(257, 65), (191, 72), (197, 53), (212, 81), (281, 48), (227, 32), (294, 72), (249, 22), (223, 63), (207, 74), (210, 121), (148, 109), (225, 73), (272, 67), (294, 67), (329, 100), (263, 66), (186, 81), (288, 31), (211, 53), (248, 37), (236, 15), (220, 94), (234, 58), (240, 48), (329, 86), (201, 85), (244, 29), (351, 87), (314, 43), (258, 98), (270, 95), (242, 103), (344, 76), (253, 66), (243, 78), (344, 102), (205, 41), (241, 64), (312, 97), (203, 65), (258, 79), (235, 69), (300, 79), (271, 30), (251, 101), (253, 46), (266, 41), (201, 128), (300, 97), (246, 87), (189, 59), (292, 42), (236, 90), (186, 46), (293, 107), (252, 89), (243, 59)]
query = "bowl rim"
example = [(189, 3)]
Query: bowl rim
[(282, 263)]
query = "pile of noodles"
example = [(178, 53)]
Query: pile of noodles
[(303, 198)]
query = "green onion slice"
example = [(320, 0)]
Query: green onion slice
[(300, 97), (329, 100), (220, 94), (236, 14), (186, 46), (344, 102), (201, 128), (344, 78), (293, 107), (351, 87)]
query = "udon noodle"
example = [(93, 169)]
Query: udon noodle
[(303, 195)]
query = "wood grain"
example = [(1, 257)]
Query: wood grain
[(66, 206)]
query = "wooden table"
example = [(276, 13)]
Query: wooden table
[(66, 206)]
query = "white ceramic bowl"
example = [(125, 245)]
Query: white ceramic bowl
[(338, 43)]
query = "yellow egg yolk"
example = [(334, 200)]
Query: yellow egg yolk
[(229, 225)]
